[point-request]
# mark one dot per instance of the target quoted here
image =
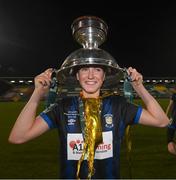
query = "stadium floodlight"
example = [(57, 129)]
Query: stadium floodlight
[(30, 81), (166, 80)]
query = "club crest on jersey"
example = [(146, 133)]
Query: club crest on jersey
[(109, 120)]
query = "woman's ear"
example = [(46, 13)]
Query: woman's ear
[(77, 76), (104, 76)]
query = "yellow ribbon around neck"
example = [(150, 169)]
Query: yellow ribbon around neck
[(93, 133)]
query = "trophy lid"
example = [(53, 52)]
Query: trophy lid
[(89, 31)]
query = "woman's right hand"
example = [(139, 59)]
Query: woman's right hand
[(42, 82), (172, 148)]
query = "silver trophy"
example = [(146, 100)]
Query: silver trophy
[(90, 32)]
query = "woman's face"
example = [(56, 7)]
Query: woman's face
[(91, 80)]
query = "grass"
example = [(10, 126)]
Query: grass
[(35, 159), (39, 158)]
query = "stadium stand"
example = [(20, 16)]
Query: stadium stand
[(20, 88)]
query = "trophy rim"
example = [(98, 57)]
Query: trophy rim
[(91, 17)]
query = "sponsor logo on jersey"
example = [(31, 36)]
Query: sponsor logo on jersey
[(71, 117), (75, 146)]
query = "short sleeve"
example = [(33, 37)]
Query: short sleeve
[(50, 116), (132, 113)]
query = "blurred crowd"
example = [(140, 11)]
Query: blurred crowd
[(22, 92)]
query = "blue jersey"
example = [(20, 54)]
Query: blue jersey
[(116, 114), (173, 112)]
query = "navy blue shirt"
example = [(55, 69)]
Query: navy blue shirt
[(116, 114), (173, 112)]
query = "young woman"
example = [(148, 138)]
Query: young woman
[(90, 125)]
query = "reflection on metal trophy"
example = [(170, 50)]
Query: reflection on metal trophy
[(90, 32)]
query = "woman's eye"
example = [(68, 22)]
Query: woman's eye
[(98, 69), (84, 69)]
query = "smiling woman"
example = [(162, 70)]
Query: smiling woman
[(92, 119), (91, 80)]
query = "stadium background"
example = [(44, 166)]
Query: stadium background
[(20, 88), (39, 158), (35, 35)]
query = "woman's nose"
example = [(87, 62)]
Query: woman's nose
[(90, 74)]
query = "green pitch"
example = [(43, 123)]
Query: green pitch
[(39, 158)]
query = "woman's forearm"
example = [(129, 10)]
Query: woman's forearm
[(151, 105), (25, 119)]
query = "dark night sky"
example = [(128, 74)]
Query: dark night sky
[(35, 35)]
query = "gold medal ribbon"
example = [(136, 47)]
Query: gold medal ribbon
[(93, 133)]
